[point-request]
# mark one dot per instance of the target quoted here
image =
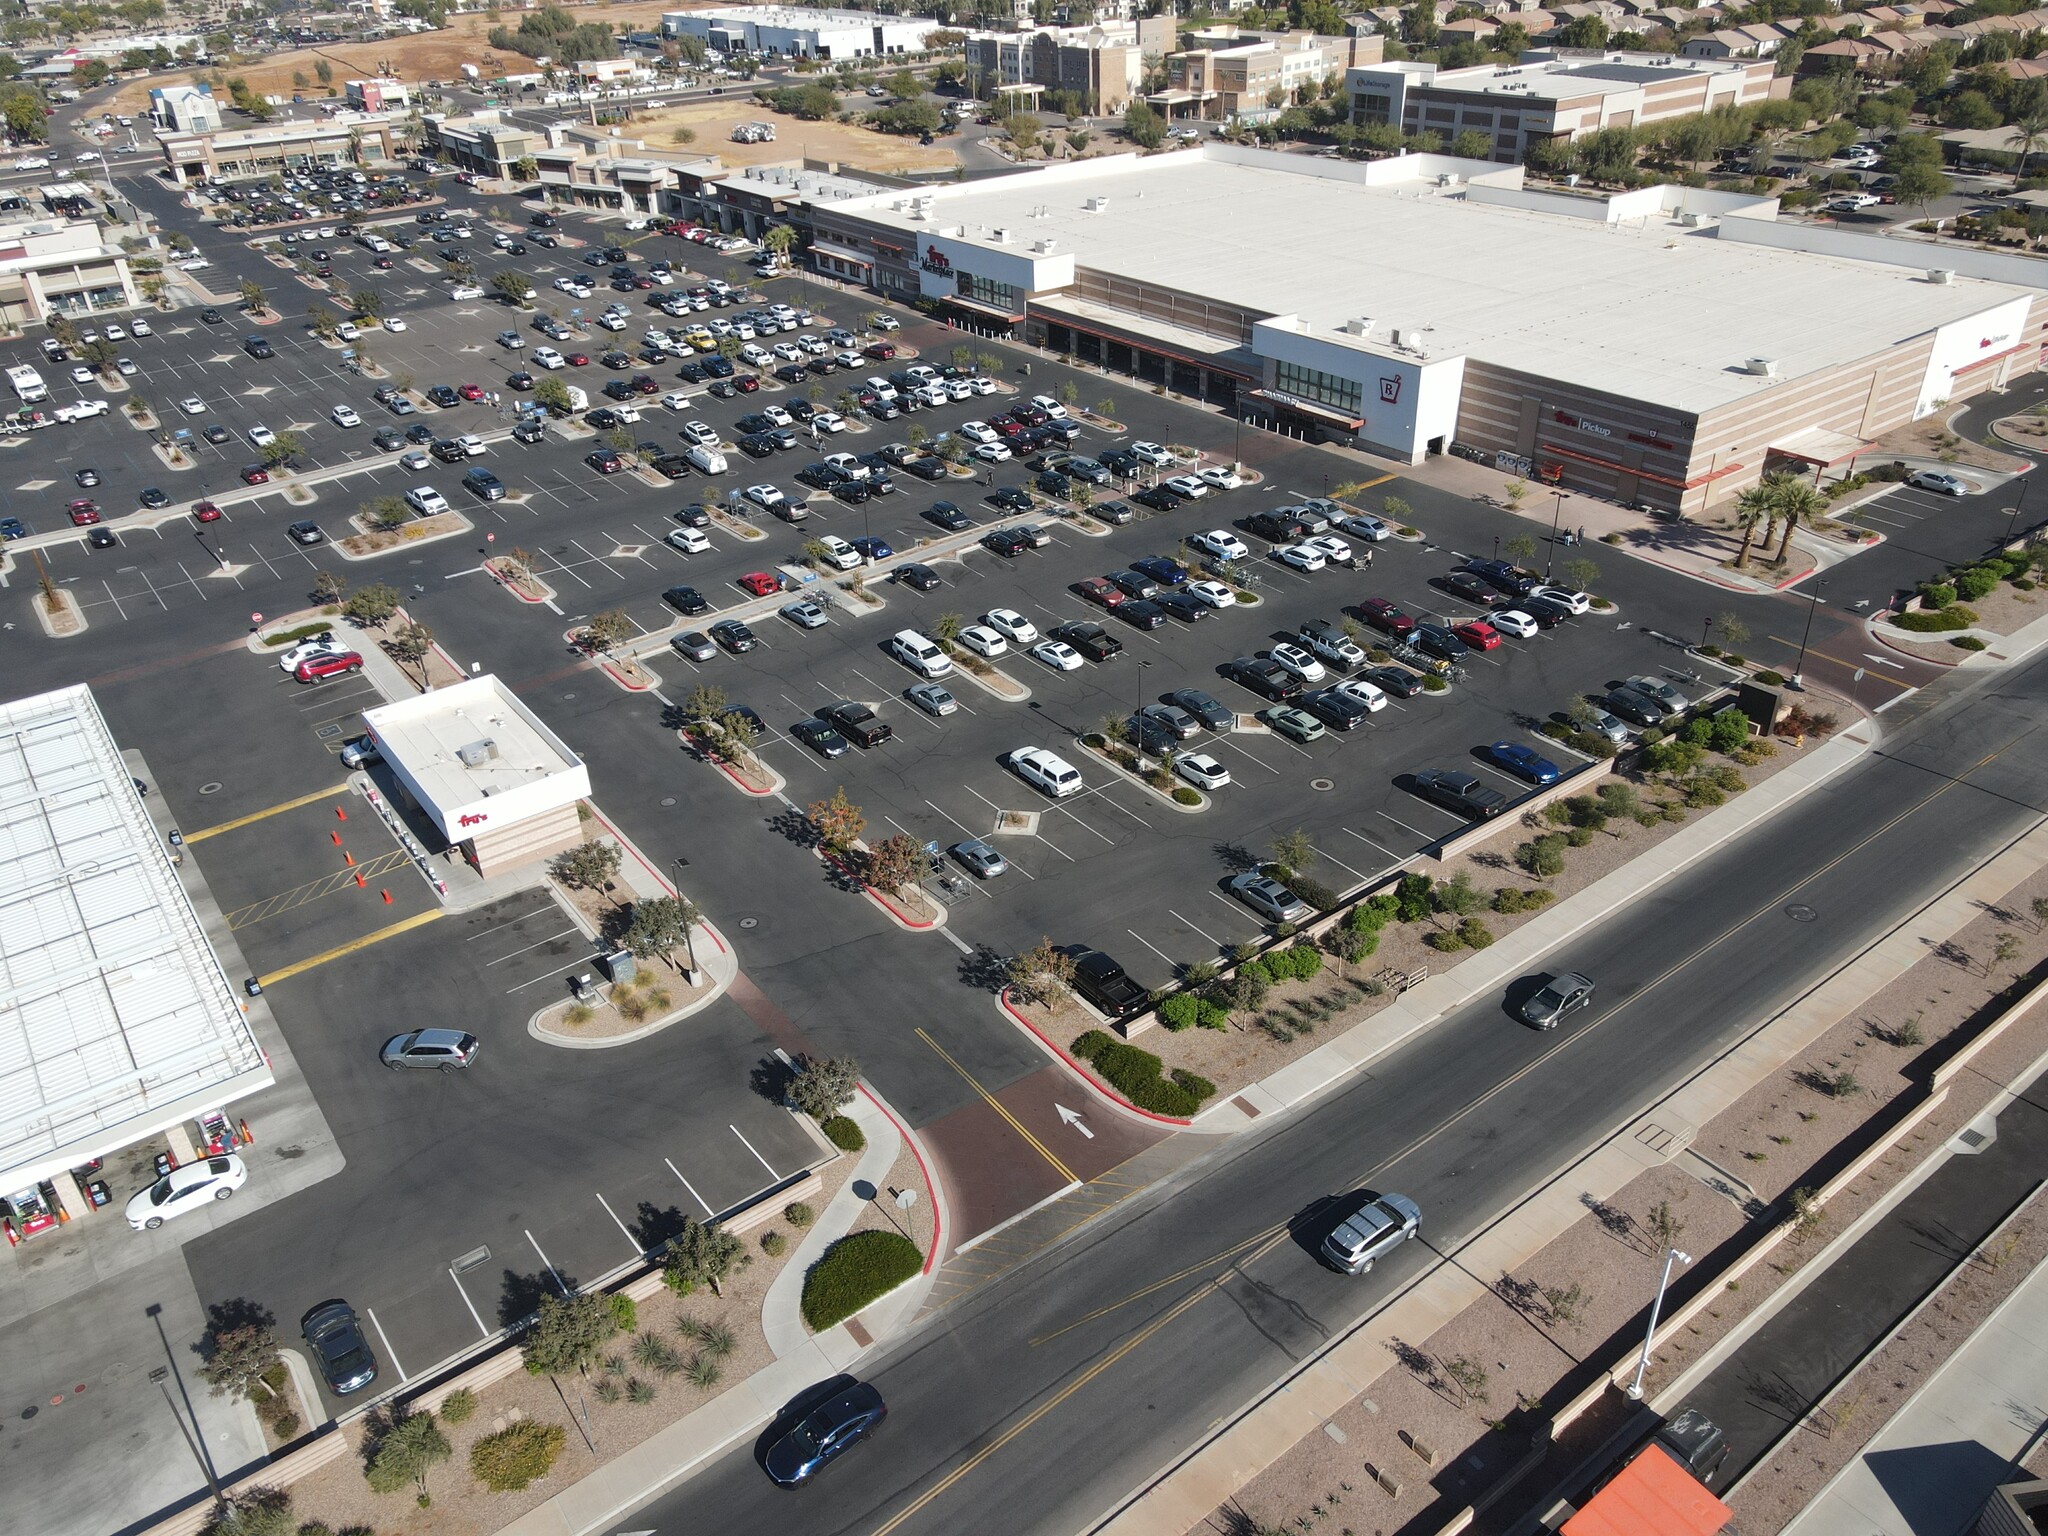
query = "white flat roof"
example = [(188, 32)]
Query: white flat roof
[(523, 764), (1649, 309), (115, 1017)]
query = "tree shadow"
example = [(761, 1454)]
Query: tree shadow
[(1614, 1221), (794, 826), (1235, 857), (770, 1077), (1525, 1296), (652, 1226), (984, 969), (224, 1317), (522, 1295)]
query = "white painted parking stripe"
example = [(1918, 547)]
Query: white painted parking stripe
[(672, 1168), (1205, 933), (638, 1253), (480, 1328), (1397, 821), (1370, 843), (1162, 954), (372, 1316), (550, 1263), (1068, 812), (515, 953), (756, 1151), (1339, 863)]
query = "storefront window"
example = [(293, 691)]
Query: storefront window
[(1319, 388), (986, 290)]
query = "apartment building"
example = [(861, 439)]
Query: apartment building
[(1103, 63), (1225, 72)]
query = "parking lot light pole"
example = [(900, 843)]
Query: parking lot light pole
[(2013, 512), (1799, 666), (1671, 1257), (1556, 515), (1140, 672)]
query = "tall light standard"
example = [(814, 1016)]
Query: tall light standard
[(1556, 515), (1139, 671), (1798, 665), (1671, 1257), (2013, 512)]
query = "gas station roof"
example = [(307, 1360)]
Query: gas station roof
[(116, 1020)]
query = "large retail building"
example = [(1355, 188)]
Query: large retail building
[(1664, 346)]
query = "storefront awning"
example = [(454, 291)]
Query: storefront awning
[(1307, 408), (1817, 445), (841, 253)]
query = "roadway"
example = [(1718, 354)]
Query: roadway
[(1042, 1400)]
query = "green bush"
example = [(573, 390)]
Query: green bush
[(1412, 898), (844, 1134), (1352, 945), (293, 636), (1542, 856), (1672, 756), (516, 1456), (1967, 643), (1186, 794), (1977, 582), (798, 1215), (1434, 684), (1443, 940), (855, 1271), (1729, 730), (1769, 678), (1371, 916), (1135, 1075), (1937, 594), (1314, 892), (774, 1244), (1186, 1010), (1475, 934), (625, 1311), (1939, 621), (459, 1407), (1298, 962), (1508, 900)]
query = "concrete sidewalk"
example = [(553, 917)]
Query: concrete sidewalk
[(1929, 1471)]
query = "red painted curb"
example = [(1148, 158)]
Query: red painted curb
[(622, 680), (876, 896), (931, 1187), (501, 581), (1081, 1068), (723, 767)]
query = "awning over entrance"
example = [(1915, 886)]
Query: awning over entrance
[(993, 311), (1178, 98), (1306, 408), (842, 253), (1817, 445)]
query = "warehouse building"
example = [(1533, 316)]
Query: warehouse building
[(1663, 346), (802, 34)]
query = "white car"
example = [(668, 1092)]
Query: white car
[(467, 291), (139, 328), (829, 421), (472, 445), (416, 460), (307, 650), (778, 415), (345, 416), (700, 433), (568, 284), (978, 432), (186, 1189), (994, 453), (982, 385), (1334, 549), (1371, 529), (347, 330), (1058, 655), (1221, 476), (786, 350), (838, 553), (393, 323), (1564, 597), (920, 653), (766, 497), (883, 323), (425, 500), (1011, 625), (1514, 622), (115, 333), (1201, 770), (1853, 202), (1373, 698), (1939, 481), (676, 400), (1298, 661), (1050, 406), (690, 541), (1303, 557), (548, 357), (192, 405), (983, 641), (262, 436), (1221, 543), (81, 375), (1046, 771), (1192, 487), (1151, 453), (1214, 593)]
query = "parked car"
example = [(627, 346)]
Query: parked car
[(1522, 761), (1460, 792), (447, 1050), (186, 1188), (1106, 984), (1269, 898), (331, 1331)]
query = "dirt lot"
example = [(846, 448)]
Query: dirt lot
[(856, 148), (422, 56)]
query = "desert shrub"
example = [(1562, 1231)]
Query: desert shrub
[(1728, 731), (1977, 582), (1298, 962), (844, 1134), (1186, 794), (516, 1456), (1412, 901), (1136, 1075), (774, 1244), (1187, 1010), (1444, 941), (1940, 621), (625, 1311), (1352, 945), (1314, 892), (1542, 856), (798, 1215), (1672, 755), (1371, 916), (1509, 900), (1474, 934), (1937, 594), (1579, 837), (1967, 643), (855, 1271), (459, 1407)]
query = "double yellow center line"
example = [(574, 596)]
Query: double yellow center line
[(1038, 1146)]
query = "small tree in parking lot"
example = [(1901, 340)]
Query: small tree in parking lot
[(659, 924), (239, 1349), (822, 1085), (372, 605), (411, 646), (892, 863), (1042, 974), (837, 820), (569, 1333), (553, 395), (707, 701), (701, 1255), (612, 627), (588, 866), (511, 286), (328, 588), (1582, 573), (739, 734), (386, 512), (282, 449), (254, 300), (368, 303)]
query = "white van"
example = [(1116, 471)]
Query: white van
[(1046, 771), (921, 655), (579, 400), (705, 460), (28, 384)]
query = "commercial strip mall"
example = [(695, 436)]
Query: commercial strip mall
[(1664, 346)]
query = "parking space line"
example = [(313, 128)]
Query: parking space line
[(1038, 1146), (1205, 933), (557, 1274), (1324, 852), (418, 919), (1162, 954), (672, 1168), (1068, 812), (1397, 821), (515, 953), (756, 1151), (254, 816), (638, 1251), (372, 1316), (474, 1314), (1383, 848)]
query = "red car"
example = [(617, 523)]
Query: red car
[(1478, 634), (84, 513), (1006, 427), (761, 583), (1099, 589), (471, 391), (746, 383), (206, 512), (383, 263), (1385, 617), (316, 668), (255, 474), (578, 359), (881, 351)]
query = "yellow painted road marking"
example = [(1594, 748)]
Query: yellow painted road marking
[(417, 920), (313, 890), (275, 810), (1852, 666), (1061, 1168)]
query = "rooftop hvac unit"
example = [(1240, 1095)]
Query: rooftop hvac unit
[(477, 753), (1361, 326), (1692, 220), (1942, 276), (1096, 205), (1401, 339), (999, 237), (1046, 247), (1763, 367), (1448, 178)]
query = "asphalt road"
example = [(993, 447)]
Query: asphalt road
[(1041, 1401)]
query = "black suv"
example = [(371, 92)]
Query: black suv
[(1268, 679)]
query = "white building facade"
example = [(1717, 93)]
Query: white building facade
[(802, 34)]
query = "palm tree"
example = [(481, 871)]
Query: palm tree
[(1796, 499), (2029, 132), (1752, 507)]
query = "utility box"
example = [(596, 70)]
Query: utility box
[(618, 965)]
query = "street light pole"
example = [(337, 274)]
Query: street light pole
[(1556, 515), (1799, 665), (2013, 519), (1671, 1257), (1139, 673)]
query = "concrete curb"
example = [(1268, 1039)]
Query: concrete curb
[(782, 1308)]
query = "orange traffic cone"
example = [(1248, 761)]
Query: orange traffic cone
[(350, 857), (387, 897), (247, 1135), (337, 838), (340, 814), (359, 880)]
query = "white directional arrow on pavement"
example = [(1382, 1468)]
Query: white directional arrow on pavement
[(1068, 1117), (1885, 661)]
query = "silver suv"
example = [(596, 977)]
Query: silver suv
[(1377, 1225)]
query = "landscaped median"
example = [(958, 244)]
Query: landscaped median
[(1956, 611)]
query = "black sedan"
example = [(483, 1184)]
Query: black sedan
[(336, 1339), (154, 498), (819, 737), (1558, 998), (1157, 497), (1012, 498), (824, 1434), (948, 517), (444, 396), (1205, 707), (1398, 681), (917, 576)]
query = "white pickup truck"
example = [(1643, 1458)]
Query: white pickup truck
[(82, 410)]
